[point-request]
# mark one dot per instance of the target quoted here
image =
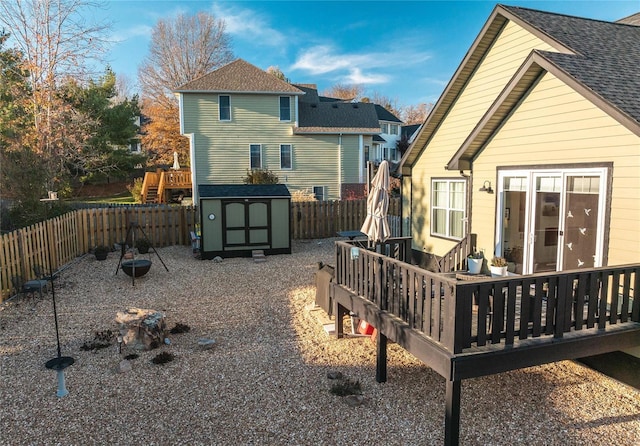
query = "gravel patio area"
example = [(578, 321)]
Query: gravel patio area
[(265, 380)]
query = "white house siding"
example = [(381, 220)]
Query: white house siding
[(556, 125), (502, 60), (255, 119)]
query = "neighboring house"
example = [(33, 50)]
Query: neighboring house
[(385, 144), (239, 117), (534, 146)]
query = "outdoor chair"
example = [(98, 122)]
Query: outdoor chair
[(39, 271), (29, 287)]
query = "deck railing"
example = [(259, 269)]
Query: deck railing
[(462, 314)]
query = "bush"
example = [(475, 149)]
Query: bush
[(302, 195), (260, 176), (136, 190)]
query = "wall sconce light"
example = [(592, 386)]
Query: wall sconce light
[(486, 187)]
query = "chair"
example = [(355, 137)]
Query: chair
[(30, 286), (39, 271)]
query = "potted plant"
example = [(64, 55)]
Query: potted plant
[(143, 245), (101, 252), (498, 267), (474, 262)]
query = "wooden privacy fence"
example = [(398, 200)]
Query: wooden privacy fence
[(77, 232), (322, 219)]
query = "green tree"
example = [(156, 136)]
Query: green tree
[(110, 126)]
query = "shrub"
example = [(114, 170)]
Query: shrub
[(260, 176), (136, 189)]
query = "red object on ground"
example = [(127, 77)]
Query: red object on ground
[(364, 328)]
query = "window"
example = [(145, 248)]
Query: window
[(384, 128), (448, 208), (224, 104), (285, 156), (318, 191), (256, 156), (285, 108), (394, 129)]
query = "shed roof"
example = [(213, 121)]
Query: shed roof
[(243, 191)]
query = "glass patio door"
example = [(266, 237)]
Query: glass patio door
[(551, 220)]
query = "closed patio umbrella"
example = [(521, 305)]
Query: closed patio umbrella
[(375, 224), (176, 164)]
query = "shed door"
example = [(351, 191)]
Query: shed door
[(246, 223)]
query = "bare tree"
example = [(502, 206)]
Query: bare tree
[(346, 92), (182, 49), (415, 114), (274, 70), (57, 40)]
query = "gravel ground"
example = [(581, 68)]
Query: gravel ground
[(265, 381)]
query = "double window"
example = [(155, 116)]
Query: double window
[(285, 108), (224, 108), (256, 156), (448, 198), (285, 156)]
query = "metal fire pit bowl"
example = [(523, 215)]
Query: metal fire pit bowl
[(139, 266)]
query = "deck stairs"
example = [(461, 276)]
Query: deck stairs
[(152, 195)]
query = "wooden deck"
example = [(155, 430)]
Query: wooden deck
[(157, 186), (465, 329)]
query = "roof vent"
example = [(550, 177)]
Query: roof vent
[(355, 105), (314, 105), (335, 105)]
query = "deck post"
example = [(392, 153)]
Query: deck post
[(452, 413), (340, 312), (381, 358)]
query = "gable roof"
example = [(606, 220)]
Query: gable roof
[(599, 59), (239, 76), (385, 115)]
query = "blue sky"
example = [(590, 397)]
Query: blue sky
[(406, 51)]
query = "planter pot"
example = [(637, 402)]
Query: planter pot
[(101, 255), (498, 271), (474, 265)]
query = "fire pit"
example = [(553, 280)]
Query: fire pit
[(139, 267)]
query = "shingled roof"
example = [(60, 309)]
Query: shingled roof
[(606, 54), (239, 76), (385, 115), (599, 58), (337, 117)]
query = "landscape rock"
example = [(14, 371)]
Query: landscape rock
[(206, 344), (124, 366)]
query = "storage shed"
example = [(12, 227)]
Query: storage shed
[(237, 219)]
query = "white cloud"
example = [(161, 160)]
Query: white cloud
[(355, 76), (248, 25)]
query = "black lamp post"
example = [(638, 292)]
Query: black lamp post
[(59, 363)]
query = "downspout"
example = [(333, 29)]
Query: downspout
[(295, 100), (340, 166), (361, 158)]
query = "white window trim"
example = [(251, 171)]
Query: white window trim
[(220, 109), (261, 164), (280, 109), (447, 208), (290, 157)]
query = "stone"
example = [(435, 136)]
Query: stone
[(334, 375), (354, 400), (217, 259), (206, 344), (142, 329), (124, 366)]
